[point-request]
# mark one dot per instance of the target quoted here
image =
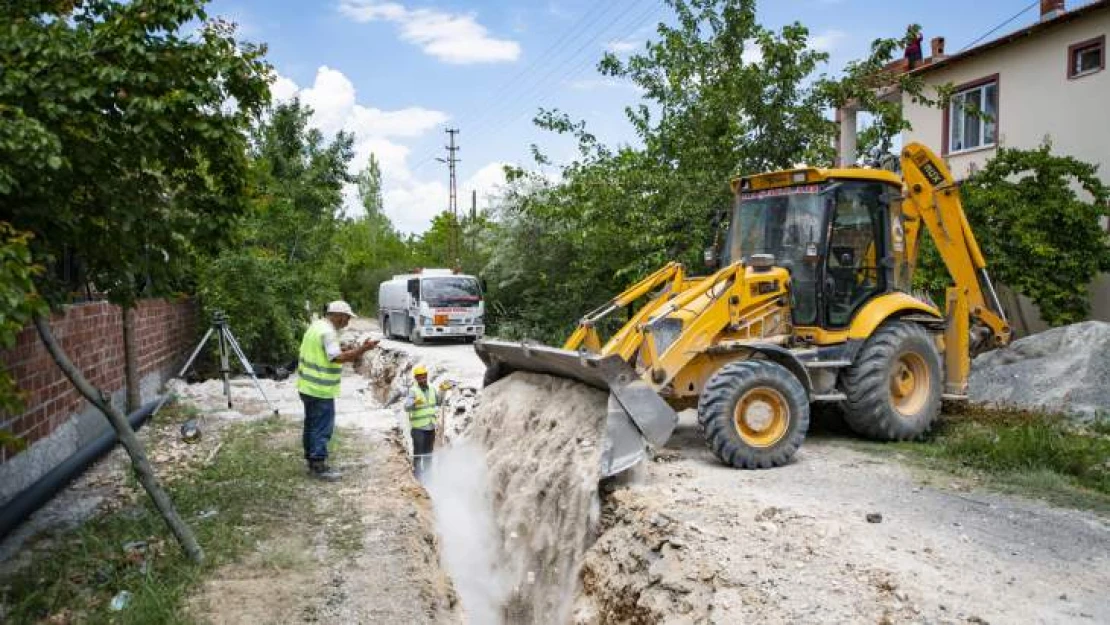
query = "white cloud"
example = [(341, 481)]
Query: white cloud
[(827, 41), (450, 37), (283, 89), (624, 46), (823, 42), (486, 181), (592, 84), (409, 202), (412, 206), (752, 54), (556, 10)]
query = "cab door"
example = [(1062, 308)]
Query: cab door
[(856, 249)]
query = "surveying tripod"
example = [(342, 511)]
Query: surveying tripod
[(226, 342)]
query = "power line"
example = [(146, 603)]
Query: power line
[(590, 39), (505, 101), (452, 197), (575, 63), (995, 29), (631, 27), (583, 25)]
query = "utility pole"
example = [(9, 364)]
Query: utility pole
[(473, 220), (452, 200)]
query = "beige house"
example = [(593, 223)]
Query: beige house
[(1045, 81)]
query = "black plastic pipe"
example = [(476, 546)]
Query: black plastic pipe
[(35, 496)]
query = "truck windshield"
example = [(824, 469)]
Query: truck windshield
[(787, 223), (451, 291)]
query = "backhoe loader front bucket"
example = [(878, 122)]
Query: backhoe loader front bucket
[(637, 415)]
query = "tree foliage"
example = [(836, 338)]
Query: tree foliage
[(721, 96), (117, 143), (18, 303), (283, 264), (371, 248), (1037, 216)]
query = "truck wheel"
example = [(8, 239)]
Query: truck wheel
[(754, 414), (894, 387), (414, 337)]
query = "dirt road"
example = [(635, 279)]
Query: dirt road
[(795, 544), (362, 550), (383, 568), (838, 536)]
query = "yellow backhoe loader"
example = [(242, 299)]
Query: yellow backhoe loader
[(814, 303)]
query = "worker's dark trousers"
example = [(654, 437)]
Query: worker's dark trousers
[(422, 443), (319, 422)]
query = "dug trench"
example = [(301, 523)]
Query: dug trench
[(529, 535)]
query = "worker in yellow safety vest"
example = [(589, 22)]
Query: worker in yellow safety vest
[(422, 405), (319, 368)]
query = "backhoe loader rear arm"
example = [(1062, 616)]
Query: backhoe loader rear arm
[(932, 197)]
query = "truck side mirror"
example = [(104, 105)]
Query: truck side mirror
[(414, 289), (485, 286)]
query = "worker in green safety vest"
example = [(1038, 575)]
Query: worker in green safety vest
[(422, 404), (319, 368)]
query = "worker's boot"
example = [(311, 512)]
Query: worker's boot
[(320, 470)]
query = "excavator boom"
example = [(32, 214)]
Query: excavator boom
[(933, 199)]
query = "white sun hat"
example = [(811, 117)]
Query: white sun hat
[(342, 308)]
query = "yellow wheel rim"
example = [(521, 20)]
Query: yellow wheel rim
[(909, 383), (761, 417)]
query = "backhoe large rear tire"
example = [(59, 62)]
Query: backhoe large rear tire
[(754, 414), (894, 387)]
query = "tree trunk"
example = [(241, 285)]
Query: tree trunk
[(127, 437), (130, 360)]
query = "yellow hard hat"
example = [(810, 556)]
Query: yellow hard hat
[(420, 370)]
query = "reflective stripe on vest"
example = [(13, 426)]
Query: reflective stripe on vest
[(421, 416), (317, 376)]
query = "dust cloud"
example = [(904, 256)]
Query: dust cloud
[(458, 484), (515, 497)]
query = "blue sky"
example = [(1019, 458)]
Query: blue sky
[(397, 73)]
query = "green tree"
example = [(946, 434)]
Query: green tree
[(1036, 216), (284, 264), (722, 95), (18, 304), (371, 247), (369, 182), (118, 145)]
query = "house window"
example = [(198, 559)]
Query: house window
[(973, 117), (1087, 57)]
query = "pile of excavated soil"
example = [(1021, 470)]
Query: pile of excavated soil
[(1064, 369), (543, 438)]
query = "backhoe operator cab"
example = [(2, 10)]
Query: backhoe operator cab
[(838, 234), (813, 303)]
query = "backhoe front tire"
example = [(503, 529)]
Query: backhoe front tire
[(754, 414), (894, 387)]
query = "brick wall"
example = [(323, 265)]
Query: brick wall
[(92, 335)]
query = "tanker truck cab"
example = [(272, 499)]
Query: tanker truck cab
[(432, 303)]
